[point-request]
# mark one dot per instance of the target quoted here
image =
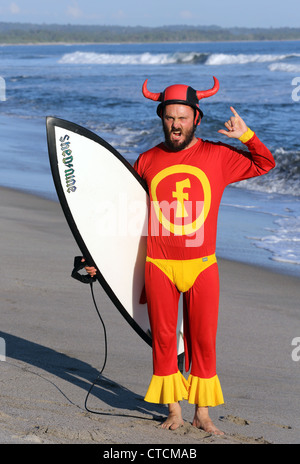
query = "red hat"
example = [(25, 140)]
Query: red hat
[(182, 94)]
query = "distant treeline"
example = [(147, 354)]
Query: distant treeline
[(13, 33)]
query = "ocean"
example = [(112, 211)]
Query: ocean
[(99, 87)]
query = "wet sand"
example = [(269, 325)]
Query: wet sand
[(54, 349)]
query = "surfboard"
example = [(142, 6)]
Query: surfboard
[(105, 203)]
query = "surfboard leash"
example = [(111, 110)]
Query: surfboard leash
[(87, 279)]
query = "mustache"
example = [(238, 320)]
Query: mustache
[(172, 129), (188, 136)]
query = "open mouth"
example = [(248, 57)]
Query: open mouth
[(176, 134)]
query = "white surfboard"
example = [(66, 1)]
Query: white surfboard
[(106, 205)]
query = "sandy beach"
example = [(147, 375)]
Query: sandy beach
[(54, 349)]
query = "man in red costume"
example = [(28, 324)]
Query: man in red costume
[(186, 177)]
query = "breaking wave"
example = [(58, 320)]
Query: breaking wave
[(160, 59), (134, 59), (284, 179), (223, 58), (285, 67)]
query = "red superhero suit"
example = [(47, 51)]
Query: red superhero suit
[(185, 190)]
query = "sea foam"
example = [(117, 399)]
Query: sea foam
[(161, 59)]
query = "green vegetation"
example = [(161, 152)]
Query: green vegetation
[(13, 33)]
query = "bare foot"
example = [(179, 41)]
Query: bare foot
[(174, 419), (204, 422)]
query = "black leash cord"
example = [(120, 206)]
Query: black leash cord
[(105, 356), (79, 264)]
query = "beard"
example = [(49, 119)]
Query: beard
[(174, 145)]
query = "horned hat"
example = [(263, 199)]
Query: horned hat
[(180, 94)]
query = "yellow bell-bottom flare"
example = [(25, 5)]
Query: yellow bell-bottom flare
[(166, 389), (205, 392)]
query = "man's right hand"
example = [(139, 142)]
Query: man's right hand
[(89, 269), (235, 126)]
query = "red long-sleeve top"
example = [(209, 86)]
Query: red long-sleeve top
[(185, 191)]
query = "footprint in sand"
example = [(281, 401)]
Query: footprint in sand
[(235, 420)]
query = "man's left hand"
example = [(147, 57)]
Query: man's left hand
[(235, 126)]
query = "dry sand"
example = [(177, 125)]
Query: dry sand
[(55, 349)]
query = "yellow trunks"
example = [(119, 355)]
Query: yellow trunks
[(183, 273)]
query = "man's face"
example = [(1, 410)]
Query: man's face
[(179, 128)]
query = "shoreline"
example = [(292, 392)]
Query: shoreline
[(277, 269), (55, 348)]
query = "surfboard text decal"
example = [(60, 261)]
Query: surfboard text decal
[(67, 160)]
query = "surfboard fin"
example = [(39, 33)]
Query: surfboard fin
[(78, 265)]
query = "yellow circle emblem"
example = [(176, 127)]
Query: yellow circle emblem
[(181, 196)]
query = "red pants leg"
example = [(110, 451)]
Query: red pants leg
[(167, 384), (162, 301), (202, 303)]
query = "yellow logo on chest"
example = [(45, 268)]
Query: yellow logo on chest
[(162, 207)]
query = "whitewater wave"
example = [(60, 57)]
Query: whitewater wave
[(283, 241), (285, 67), (192, 58), (223, 58), (284, 179), (134, 59)]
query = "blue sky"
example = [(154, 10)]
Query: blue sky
[(254, 13)]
